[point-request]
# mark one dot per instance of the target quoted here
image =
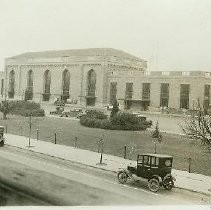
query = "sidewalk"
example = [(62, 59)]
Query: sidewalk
[(184, 180)]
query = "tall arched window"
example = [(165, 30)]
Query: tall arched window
[(11, 91), (47, 86), (65, 85), (29, 88), (91, 87)]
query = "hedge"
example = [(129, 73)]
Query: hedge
[(121, 121), (25, 108), (96, 114)]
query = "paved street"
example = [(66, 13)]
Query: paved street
[(167, 123), (101, 187)]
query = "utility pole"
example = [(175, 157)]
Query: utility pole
[(101, 155), (155, 143), (102, 149)]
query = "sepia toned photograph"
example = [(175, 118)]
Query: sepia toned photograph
[(105, 104)]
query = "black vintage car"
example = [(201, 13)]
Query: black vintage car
[(156, 168)]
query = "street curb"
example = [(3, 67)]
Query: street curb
[(64, 159), (103, 169), (195, 191)]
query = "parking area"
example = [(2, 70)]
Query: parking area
[(167, 123)]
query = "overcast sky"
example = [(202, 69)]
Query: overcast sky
[(169, 34)]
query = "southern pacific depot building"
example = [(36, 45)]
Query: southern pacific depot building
[(96, 77)]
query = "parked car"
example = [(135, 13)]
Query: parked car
[(156, 168), (65, 114), (59, 102), (80, 115), (58, 111), (84, 112), (77, 110), (109, 107)]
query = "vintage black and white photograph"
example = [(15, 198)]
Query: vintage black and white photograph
[(105, 103)]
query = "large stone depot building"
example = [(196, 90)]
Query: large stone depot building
[(96, 77)]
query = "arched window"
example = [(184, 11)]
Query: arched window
[(47, 86), (91, 87), (29, 88), (11, 91), (65, 85)]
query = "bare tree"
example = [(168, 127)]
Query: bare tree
[(198, 126)]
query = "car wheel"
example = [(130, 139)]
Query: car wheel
[(1, 143), (122, 177), (153, 185), (168, 185)]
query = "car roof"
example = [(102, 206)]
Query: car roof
[(157, 155)]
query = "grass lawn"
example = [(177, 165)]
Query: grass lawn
[(137, 142)]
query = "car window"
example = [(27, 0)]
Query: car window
[(168, 162), (140, 159), (146, 160), (154, 161)]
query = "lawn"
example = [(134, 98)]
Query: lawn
[(137, 142)]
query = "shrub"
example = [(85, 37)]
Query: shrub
[(122, 121), (25, 105), (38, 113), (25, 108), (127, 121), (96, 114)]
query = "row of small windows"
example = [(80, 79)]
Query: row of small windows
[(167, 73), (164, 94), (90, 93)]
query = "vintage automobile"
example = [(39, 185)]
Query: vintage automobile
[(83, 112), (156, 168), (1, 136), (59, 102), (59, 110)]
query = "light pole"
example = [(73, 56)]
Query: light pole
[(30, 127), (155, 147), (102, 150), (101, 155)]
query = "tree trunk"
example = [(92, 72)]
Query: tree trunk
[(4, 116)]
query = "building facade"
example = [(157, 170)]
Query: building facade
[(2, 87), (97, 77), (81, 76), (173, 89)]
